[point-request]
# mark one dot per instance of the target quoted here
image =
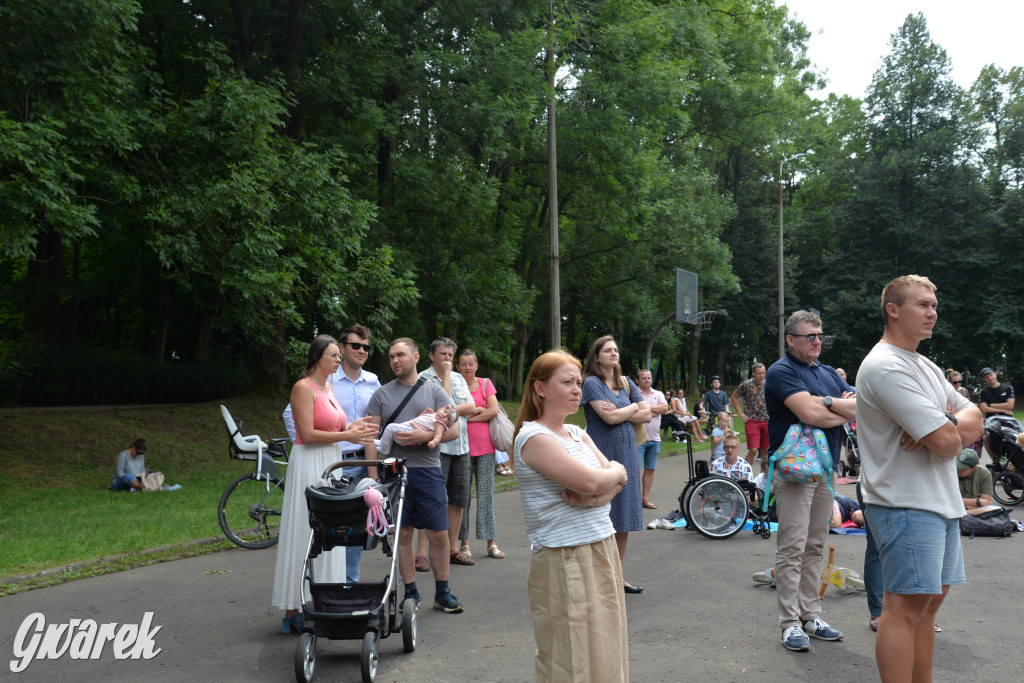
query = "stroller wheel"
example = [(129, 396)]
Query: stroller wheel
[(305, 658), (409, 625), (842, 468), (369, 659)]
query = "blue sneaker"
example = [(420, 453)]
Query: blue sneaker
[(795, 639), (415, 595), (819, 629), (447, 602)]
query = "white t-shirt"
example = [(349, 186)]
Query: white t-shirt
[(902, 391)]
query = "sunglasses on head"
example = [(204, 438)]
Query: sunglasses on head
[(359, 347)]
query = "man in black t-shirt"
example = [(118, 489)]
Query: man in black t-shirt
[(994, 399)]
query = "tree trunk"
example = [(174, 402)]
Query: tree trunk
[(205, 330), (165, 322), (694, 384), (272, 357), (43, 279)]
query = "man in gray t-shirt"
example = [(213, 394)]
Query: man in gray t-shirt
[(911, 424), (426, 501)]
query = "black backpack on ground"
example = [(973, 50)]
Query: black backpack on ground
[(993, 523)]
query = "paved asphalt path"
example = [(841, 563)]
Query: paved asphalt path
[(700, 617)]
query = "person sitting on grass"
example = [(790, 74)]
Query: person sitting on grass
[(129, 467)]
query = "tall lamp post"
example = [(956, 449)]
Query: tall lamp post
[(782, 290)]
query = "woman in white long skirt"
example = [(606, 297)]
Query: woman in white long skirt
[(320, 426)]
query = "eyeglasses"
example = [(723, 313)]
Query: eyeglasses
[(956, 381), (359, 347), (335, 356), (820, 336)]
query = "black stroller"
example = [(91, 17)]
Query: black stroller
[(1007, 482), (364, 611), (850, 467)]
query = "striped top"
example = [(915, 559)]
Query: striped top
[(550, 521)]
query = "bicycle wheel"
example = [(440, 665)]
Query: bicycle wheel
[(250, 511), (1008, 488), (717, 507)]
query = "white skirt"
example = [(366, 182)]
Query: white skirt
[(305, 466)]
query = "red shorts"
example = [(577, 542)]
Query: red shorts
[(757, 434)]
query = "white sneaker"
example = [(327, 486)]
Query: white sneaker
[(653, 524), (665, 524)]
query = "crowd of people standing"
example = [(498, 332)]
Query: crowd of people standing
[(584, 491)]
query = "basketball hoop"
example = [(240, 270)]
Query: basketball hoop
[(703, 318), (827, 341)]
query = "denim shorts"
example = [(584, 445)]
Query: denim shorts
[(426, 501), (919, 550), (648, 453)]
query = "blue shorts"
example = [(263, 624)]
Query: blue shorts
[(648, 453), (426, 500), (919, 550)]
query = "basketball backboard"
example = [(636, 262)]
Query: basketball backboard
[(686, 295)]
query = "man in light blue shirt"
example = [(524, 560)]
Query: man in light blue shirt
[(353, 388)]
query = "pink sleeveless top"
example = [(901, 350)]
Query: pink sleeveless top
[(327, 414)]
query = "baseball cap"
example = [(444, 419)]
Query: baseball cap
[(714, 377), (967, 458), (985, 371)]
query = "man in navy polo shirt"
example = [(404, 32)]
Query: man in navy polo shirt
[(800, 389)]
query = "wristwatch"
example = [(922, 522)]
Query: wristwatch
[(828, 403), (951, 417), (978, 501)]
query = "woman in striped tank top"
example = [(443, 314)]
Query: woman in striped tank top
[(578, 606)]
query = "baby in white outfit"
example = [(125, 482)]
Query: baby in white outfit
[(427, 422)]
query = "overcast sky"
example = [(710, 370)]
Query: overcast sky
[(849, 39)]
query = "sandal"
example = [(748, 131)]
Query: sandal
[(492, 550), (464, 549), (874, 623), (502, 470), (649, 505)]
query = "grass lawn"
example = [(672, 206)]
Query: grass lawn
[(57, 465)]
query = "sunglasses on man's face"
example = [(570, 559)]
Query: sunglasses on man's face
[(359, 347), (809, 338)]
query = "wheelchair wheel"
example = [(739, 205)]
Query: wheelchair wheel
[(1008, 488), (717, 507), (249, 512)]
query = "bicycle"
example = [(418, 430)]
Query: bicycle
[(249, 511)]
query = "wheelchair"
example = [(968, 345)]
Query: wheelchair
[(716, 506)]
